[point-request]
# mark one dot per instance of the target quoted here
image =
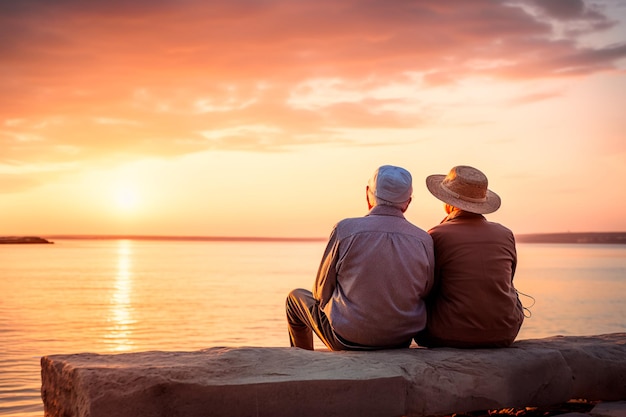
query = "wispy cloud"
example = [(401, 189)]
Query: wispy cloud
[(110, 79)]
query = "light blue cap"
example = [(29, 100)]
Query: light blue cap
[(391, 183)]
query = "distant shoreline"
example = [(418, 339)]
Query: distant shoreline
[(573, 238), (590, 237)]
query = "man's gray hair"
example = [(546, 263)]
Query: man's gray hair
[(401, 206)]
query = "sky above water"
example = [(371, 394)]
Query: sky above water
[(266, 118)]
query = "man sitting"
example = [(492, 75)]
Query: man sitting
[(373, 276), (474, 302)]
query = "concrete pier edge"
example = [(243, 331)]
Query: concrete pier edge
[(275, 382)]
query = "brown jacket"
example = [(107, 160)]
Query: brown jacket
[(474, 302)]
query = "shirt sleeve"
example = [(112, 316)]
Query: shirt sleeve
[(326, 279)]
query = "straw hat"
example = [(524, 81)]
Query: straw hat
[(464, 187)]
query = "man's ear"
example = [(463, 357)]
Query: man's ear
[(407, 204), (368, 194)]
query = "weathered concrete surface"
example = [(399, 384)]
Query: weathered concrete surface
[(277, 382), (615, 409)]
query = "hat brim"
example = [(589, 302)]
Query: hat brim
[(491, 203)]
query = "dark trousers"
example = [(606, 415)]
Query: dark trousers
[(304, 316)]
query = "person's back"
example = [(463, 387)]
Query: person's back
[(474, 302), (384, 268), (374, 275)]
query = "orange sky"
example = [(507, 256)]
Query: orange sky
[(265, 118)]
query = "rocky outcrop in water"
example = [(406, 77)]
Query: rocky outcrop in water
[(22, 239), (290, 382)]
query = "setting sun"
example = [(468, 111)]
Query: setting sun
[(126, 199)]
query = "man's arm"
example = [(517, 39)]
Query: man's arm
[(326, 279)]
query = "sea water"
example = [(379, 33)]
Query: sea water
[(109, 296)]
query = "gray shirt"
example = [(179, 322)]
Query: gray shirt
[(374, 275)]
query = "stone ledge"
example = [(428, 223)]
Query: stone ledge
[(275, 382)]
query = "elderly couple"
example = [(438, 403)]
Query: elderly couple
[(384, 282)]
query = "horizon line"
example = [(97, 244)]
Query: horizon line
[(522, 236), (185, 238)]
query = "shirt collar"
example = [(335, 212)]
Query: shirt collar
[(460, 214), (380, 210)]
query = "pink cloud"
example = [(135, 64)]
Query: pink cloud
[(80, 62)]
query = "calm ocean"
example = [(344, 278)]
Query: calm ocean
[(110, 296)]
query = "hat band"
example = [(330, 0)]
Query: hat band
[(462, 197)]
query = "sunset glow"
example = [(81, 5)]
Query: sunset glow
[(126, 199), (266, 118)]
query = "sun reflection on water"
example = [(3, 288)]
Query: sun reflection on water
[(119, 335)]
